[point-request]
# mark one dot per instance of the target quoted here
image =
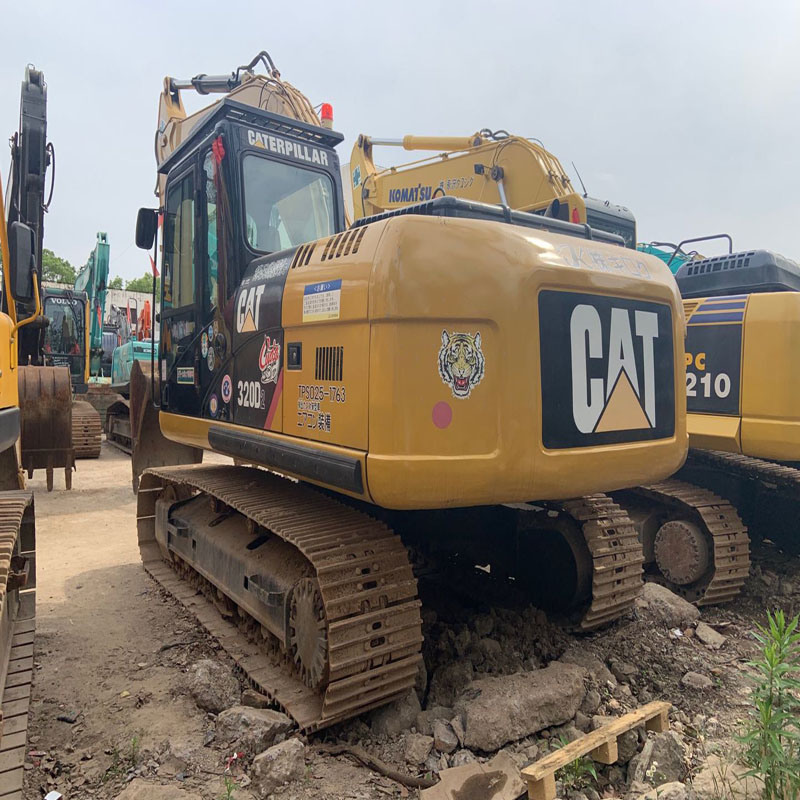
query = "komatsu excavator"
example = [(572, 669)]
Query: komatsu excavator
[(488, 167), (468, 376), (693, 540), (45, 391), (743, 322)]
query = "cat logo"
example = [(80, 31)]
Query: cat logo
[(607, 370), (618, 402), (248, 307)]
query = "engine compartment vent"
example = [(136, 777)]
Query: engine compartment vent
[(328, 363)]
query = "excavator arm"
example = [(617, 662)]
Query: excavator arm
[(487, 167)]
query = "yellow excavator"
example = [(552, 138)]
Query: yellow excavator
[(694, 541), (468, 376), (488, 167), (45, 391), (20, 291), (743, 318)]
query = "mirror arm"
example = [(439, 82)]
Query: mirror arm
[(38, 308)]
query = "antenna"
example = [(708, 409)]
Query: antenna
[(585, 193)]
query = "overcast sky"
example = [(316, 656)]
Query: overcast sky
[(686, 112)]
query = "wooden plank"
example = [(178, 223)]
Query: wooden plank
[(16, 795), (598, 740), (607, 753), (23, 651), (543, 789), (659, 723)]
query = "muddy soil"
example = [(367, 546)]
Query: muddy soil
[(111, 705)]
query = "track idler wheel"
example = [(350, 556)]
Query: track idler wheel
[(308, 633), (682, 552)]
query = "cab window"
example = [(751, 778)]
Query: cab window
[(285, 205), (179, 245)]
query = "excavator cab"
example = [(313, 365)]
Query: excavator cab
[(258, 183), (67, 334)]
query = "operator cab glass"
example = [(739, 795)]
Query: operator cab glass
[(285, 205), (65, 336)]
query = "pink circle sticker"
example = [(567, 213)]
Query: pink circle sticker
[(442, 414)]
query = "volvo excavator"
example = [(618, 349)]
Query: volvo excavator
[(20, 314), (45, 391), (470, 377), (693, 540), (67, 343)]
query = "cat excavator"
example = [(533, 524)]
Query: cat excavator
[(455, 378), (694, 541)]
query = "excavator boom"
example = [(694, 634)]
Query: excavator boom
[(488, 167)]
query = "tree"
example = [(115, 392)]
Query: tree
[(144, 284), (115, 282), (56, 269)]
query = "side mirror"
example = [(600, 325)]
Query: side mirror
[(22, 253), (146, 226)]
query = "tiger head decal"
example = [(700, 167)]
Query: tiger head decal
[(461, 362)]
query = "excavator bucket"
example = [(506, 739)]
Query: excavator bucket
[(150, 447), (45, 400)]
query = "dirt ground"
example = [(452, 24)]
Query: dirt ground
[(101, 623), (112, 653)]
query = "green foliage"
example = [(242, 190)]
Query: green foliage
[(772, 733), (230, 788), (578, 774), (144, 284), (115, 283), (56, 269)]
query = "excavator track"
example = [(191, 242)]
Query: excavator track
[(17, 628), (767, 492), (721, 559), (86, 430), (365, 614), (616, 554), (580, 560)]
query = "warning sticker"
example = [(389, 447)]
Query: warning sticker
[(322, 300)]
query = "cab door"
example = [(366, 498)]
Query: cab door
[(179, 356)]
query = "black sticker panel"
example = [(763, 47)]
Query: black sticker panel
[(713, 368), (607, 368)]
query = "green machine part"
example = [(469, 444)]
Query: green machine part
[(93, 279), (665, 253)]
